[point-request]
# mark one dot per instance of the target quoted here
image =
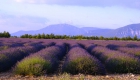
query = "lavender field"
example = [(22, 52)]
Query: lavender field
[(55, 56)]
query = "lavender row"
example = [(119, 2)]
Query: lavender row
[(88, 46), (10, 56), (104, 43), (132, 51), (117, 62), (4, 46), (7, 45), (44, 61), (78, 60)]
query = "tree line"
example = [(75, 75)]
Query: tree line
[(5, 34), (79, 37)]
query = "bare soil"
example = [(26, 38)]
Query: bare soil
[(11, 76)]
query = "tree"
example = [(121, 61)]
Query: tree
[(52, 36), (47, 36), (30, 36), (5, 34), (80, 37), (101, 37), (135, 37), (116, 38), (43, 36), (39, 36)]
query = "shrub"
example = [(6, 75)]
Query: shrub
[(133, 51), (117, 62), (79, 60), (9, 57), (112, 46), (123, 64), (44, 61), (32, 66)]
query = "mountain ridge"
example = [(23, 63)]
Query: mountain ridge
[(67, 29)]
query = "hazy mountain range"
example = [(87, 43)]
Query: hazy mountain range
[(67, 29)]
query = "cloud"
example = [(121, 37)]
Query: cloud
[(30, 15), (19, 1), (75, 15), (101, 3), (31, 1), (15, 23)]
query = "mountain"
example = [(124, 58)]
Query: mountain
[(89, 28), (59, 29), (98, 32), (129, 30), (66, 29), (19, 33)]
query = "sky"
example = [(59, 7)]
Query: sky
[(16, 15)]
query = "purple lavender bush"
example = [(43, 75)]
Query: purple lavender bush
[(112, 46), (10, 45), (133, 51), (10, 56), (44, 61), (132, 45), (117, 62), (79, 60)]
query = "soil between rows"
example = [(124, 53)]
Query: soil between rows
[(10, 76)]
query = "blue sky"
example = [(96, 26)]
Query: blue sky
[(26, 15)]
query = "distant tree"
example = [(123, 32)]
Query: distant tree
[(47, 36), (80, 37), (135, 37), (1, 34), (5, 34), (128, 38), (26, 36), (30, 36), (116, 38), (34, 36), (22, 36), (97, 38), (101, 37), (8, 34), (39, 36), (43, 36), (123, 38), (51, 36)]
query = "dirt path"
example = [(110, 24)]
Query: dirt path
[(10, 76)]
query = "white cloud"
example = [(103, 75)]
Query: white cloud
[(31, 1), (19, 1), (100, 3), (15, 23), (55, 14)]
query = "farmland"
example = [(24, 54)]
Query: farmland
[(37, 57)]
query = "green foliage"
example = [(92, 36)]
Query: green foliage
[(5, 34), (32, 66), (43, 36), (135, 37), (78, 37), (101, 38), (82, 65), (123, 65)]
